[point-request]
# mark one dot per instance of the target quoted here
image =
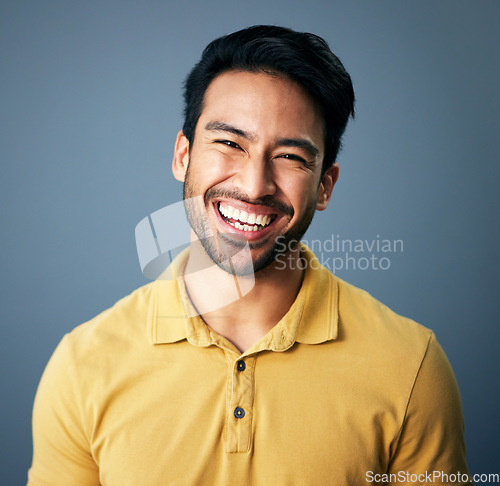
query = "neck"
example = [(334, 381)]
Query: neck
[(242, 309)]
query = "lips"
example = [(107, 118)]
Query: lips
[(244, 220)]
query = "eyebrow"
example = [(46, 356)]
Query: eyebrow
[(217, 126), (302, 143)]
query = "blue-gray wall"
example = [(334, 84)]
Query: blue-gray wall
[(90, 105)]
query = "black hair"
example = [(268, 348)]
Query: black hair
[(300, 56)]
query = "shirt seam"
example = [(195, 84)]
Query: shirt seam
[(87, 429), (397, 437)]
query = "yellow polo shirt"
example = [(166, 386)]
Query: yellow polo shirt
[(339, 391)]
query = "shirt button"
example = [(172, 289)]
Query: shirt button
[(239, 412), (241, 365)]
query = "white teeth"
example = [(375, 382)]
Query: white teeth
[(244, 227), (254, 222), (243, 217)]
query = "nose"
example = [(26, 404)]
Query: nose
[(255, 178)]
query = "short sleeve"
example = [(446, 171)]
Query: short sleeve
[(431, 441), (61, 446)]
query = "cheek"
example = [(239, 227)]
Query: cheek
[(213, 167), (202, 175), (300, 190)]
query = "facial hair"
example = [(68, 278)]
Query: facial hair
[(225, 248)]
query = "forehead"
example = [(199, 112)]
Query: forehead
[(263, 103)]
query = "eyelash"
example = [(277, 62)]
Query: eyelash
[(294, 157), (229, 143)]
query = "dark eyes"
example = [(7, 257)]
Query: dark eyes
[(229, 143), (293, 157)]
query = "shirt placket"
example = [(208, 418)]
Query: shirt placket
[(240, 401)]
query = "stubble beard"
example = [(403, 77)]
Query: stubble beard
[(232, 254)]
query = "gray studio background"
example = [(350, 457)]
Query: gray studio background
[(89, 109)]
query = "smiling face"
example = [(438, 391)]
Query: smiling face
[(256, 162)]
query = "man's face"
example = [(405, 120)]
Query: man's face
[(256, 162)]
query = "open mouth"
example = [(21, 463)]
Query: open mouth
[(243, 220)]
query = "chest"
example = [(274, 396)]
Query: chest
[(272, 418)]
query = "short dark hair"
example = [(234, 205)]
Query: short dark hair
[(302, 57)]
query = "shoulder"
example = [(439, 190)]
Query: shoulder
[(116, 331), (360, 311), (101, 353), (400, 358), (382, 342), (379, 333), (129, 312), (364, 324)]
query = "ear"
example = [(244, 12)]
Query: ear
[(181, 157), (326, 187)]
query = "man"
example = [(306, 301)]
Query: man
[(301, 379)]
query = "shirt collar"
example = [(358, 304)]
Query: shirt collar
[(312, 318)]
